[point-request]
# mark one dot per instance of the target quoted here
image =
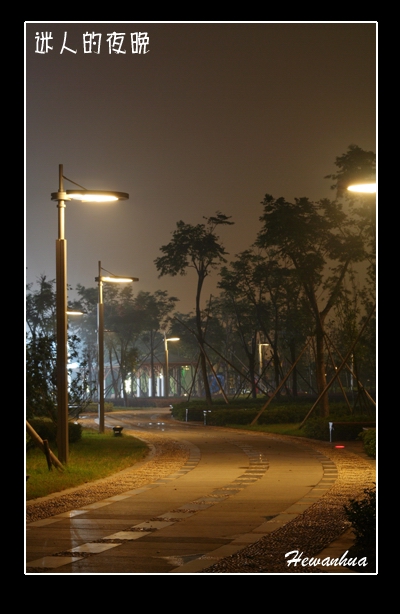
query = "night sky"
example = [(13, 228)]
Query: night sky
[(211, 118)]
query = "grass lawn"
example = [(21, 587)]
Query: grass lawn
[(95, 456)]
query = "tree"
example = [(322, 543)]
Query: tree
[(153, 312), (41, 393), (120, 318), (87, 326), (242, 316), (132, 324), (319, 240), (359, 166), (270, 294), (184, 327), (243, 297), (40, 350), (344, 330), (195, 247), (354, 166)]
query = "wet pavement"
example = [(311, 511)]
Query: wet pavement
[(232, 490)]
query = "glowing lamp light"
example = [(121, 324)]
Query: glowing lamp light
[(118, 280), (339, 446), (366, 188), (90, 196)]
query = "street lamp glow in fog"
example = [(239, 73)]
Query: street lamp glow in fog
[(118, 280), (90, 196), (366, 188), (94, 196)]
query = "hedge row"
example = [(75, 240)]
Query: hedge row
[(315, 427)]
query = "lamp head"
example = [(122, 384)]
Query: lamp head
[(365, 188), (94, 196), (117, 280)]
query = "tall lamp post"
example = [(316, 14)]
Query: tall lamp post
[(61, 299), (166, 385), (100, 337)]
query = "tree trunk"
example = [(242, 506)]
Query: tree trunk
[(277, 366), (200, 340), (320, 368), (114, 381), (252, 368), (152, 388), (294, 373)]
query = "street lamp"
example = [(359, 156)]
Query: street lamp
[(100, 337), (366, 188), (166, 385), (61, 299)]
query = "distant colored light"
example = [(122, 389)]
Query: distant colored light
[(339, 446), (369, 188)]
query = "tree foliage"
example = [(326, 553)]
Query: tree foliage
[(319, 241), (195, 247), (153, 311), (41, 349), (260, 284), (354, 166), (200, 248)]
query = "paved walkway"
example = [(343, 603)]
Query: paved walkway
[(235, 488)]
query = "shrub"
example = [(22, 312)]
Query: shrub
[(46, 429), (287, 411), (239, 412), (74, 432), (318, 428), (369, 441), (362, 515), (222, 417), (285, 414)]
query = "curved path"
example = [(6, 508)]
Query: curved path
[(235, 489)]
